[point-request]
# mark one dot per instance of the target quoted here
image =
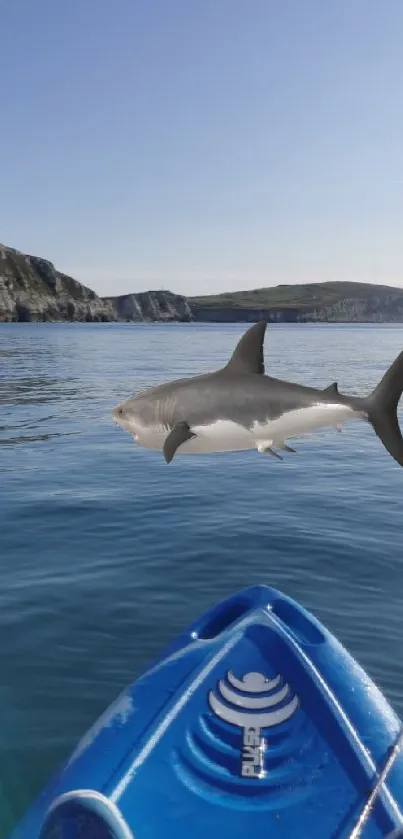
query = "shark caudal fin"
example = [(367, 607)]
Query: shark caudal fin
[(382, 409)]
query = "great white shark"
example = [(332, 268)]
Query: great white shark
[(238, 407)]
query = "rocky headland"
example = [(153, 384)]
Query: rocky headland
[(31, 289)]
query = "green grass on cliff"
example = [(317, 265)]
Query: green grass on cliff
[(301, 296)]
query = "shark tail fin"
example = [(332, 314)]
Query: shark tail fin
[(381, 406)]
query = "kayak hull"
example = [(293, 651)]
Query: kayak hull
[(254, 719)]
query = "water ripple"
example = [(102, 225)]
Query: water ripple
[(106, 552)]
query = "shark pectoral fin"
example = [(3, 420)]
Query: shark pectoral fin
[(179, 434), (266, 447), (273, 453), (285, 448)]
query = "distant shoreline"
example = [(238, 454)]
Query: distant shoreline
[(95, 323), (32, 290)]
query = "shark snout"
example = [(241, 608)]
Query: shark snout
[(119, 415), (117, 412), (124, 419)]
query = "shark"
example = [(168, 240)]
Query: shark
[(238, 407)]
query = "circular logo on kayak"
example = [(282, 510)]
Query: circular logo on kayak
[(253, 704)]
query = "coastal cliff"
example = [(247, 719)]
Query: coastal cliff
[(32, 289), (151, 306), (337, 302), (237, 314)]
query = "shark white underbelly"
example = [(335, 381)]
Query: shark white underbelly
[(226, 436), (219, 436)]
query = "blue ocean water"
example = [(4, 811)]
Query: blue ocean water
[(106, 552)]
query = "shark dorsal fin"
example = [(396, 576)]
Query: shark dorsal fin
[(248, 353), (332, 388)]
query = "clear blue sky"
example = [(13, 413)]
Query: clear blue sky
[(204, 145)]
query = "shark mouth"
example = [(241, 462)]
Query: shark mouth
[(126, 426)]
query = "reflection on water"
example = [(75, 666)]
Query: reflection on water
[(32, 438), (35, 391), (24, 389)]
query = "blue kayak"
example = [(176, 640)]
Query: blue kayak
[(255, 721)]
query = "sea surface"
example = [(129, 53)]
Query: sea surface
[(106, 552)]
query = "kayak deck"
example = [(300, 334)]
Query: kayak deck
[(255, 718)]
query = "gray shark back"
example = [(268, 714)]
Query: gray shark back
[(240, 393), (241, 398)]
